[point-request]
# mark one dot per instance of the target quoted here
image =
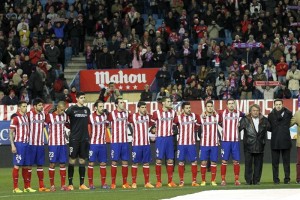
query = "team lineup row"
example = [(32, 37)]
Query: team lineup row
[(27, 142)]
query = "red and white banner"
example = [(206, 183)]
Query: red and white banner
[(266, 83), (125, 79)]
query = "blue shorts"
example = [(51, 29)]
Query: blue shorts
[(37, 155), (58, 154), (21, 158), (186, 151), (119, 151), (164, 147), (141, 154), (98, 153), (207, 153), (228, 148)]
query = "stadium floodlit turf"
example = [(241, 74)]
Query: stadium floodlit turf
[(140, 192)]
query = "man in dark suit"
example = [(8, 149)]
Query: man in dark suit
[(255, 127), (281, 141)]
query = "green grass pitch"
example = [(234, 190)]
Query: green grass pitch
[(140, 192)]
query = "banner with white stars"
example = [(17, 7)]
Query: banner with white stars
[(124, 79)]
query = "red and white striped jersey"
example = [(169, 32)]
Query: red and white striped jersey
[(140, 129), (186, 128), (99, 124), (209, 135), (230, 123), (56, 128), (37, 124), (118, 122), (164, 122), (20, 123)]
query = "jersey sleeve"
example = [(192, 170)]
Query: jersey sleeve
[(68, 111), (14, 123)]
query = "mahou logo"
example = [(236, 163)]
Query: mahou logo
[(126, 79), (105, 77)]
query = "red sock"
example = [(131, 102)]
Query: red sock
[(236, 169), (194, 171), (213, 169), (146, 171), (25, 177), (91, 175), (63, 174), (29, 177), (223, 171), (124, 173), (51, 175), (103, 174), (134, 173), (181, 171), (203, 172), (40, 173), (170, 172), (113, 172), (15, 176), (158, 172)]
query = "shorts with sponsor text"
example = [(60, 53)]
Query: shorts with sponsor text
[(119, 151), (186, 151), (141, 154), (230, 148), (58, 154), (98, 152), (209, 153), (21, 158), (37, 154), (164, 148)]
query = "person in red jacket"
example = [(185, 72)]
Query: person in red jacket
[(35, 53), (73, 94), (281, 70)]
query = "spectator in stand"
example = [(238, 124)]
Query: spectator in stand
[(294, 61), (191, 91), (277, 49), (259, 76), (146, 95), (283, 92), (213, 30), (148, 58), (104, 60), (220, 83), (209, 93), (1, 97), (10, 99), (137, 61), (293, 76), (89, 57), (73, 94), (163, 77), (52, 53), (227, 91), (111, 94), (66, 97), (35, 53), (74, 29), (201, 54), (122, 57), (186, 55), (174, 96), (246, 85), (281, 70), (179, 76), (268, 92), (270, 71), (172, 60), (24, 34), (23, 84), (159, 57), (162, 93)]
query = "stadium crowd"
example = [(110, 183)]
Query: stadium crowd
[(212, 49)]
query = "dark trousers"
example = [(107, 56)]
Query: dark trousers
[(285, 153), (298, 164), (253, 160), (75, 45)]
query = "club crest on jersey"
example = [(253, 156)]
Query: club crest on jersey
[(133, 155), (90, 154)]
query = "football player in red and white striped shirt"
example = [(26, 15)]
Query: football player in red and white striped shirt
[(57, 144), (18, 136), (209, 142), (118, 119), (163, 119), (230, 140), (141, 151), (186, 141), (98, 152), (36, 141)]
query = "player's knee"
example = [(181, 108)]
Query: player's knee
[(124, 162), (158, 161), (61, 165), (224, 161), (204, 162), (236, 162), (170, 161), (81, 161), (113, 163), (146, 164), (72, 161), (181, 163), (91, 164), (52, 165), (102, 164), (16, 167)]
